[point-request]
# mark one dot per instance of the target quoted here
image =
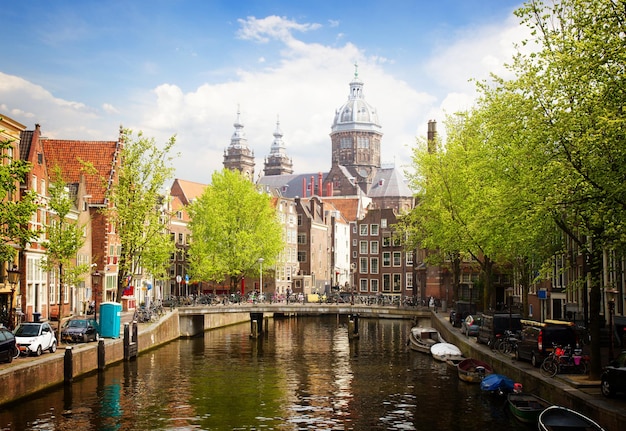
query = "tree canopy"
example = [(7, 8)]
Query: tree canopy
[(233, 225), (137, 203)]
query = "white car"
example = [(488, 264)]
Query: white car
[(35, 337)]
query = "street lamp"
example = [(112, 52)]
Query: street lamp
[(14, 278), (260, 276), (610, 296), (96, 278), (509, 296)]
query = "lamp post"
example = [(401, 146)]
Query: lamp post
[(14, 278), (96, 278), (610, 295), (509, 299), (260, 276)]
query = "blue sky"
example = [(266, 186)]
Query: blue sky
[(183, 67)]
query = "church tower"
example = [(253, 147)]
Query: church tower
[(238, 155), (355, 136), (277, 163)]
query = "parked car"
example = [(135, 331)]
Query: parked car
[(537, 339), (80, 330), (613, 377), (35, 337), (8, 349), (471, 325), (493, 326)]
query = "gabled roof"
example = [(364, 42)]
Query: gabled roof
[(389, 182), (292, 185), (187, 191), (69, 155)]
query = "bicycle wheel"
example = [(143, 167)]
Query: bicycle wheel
[(549, 367), (504, 347), (582, 367)]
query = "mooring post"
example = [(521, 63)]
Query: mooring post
[(101, 355), (126, 342), (68, 366), (254, 330)]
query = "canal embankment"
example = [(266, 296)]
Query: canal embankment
[(26, 376), (559, 390)]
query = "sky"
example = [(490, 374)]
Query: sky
[(184, 68)]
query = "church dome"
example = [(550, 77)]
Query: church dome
[(356, 113)]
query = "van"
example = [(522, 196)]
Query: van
[(537, 339), (493, 326)]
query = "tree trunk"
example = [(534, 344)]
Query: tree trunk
[(595, 299)]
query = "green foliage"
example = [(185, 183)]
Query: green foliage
[(15, 216), (137, 198), (233, 225)]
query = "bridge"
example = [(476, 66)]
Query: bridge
[(196, 319)]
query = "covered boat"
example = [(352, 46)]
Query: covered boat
[(473, 370), (558, 418), (527, 407), (497, 383), (445, 351), (421, 339)]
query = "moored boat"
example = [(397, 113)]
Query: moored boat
[(421, 339), (497, 384), (444, 351), (473, 370), (527, 407), (558, 418)]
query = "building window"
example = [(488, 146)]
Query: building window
[(354, 242), (409, 257), (374, 285), (374, 229), (409, 280), (363, 247), (397, 258), (181, 238), (386, 282), (386, 258), (383, 223), (299, 219), (386, 241), (302, 238), (302, 256), (363, 265), (363, 285), (363, 229), (179, 215), (374, 247), (397, 282), (374, 265)]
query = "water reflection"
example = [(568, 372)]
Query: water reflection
[(305, 374)]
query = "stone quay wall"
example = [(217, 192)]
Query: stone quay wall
[(26, 376)]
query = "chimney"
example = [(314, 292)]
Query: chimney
[(304, 187), (319, 184), (432, 135)]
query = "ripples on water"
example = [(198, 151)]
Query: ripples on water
[(304, 374)]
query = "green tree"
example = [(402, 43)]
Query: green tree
[(233, 225), (573, 85), (136, 209), (64, 239), (15, 214)]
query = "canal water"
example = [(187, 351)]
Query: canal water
[(304, 374)]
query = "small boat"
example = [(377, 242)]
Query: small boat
[(444, 351), (473, 370), (558, 418), (526, 407), (497, 384), (421, 339)]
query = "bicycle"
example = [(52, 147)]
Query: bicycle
[(563, 359), (508, 343)]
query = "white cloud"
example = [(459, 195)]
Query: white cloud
[(305, 87)]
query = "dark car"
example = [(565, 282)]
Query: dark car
[(461, 310), (8, 348), (538, 338), (493, 326), (471, 325), (80, 330), (614, 376)]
